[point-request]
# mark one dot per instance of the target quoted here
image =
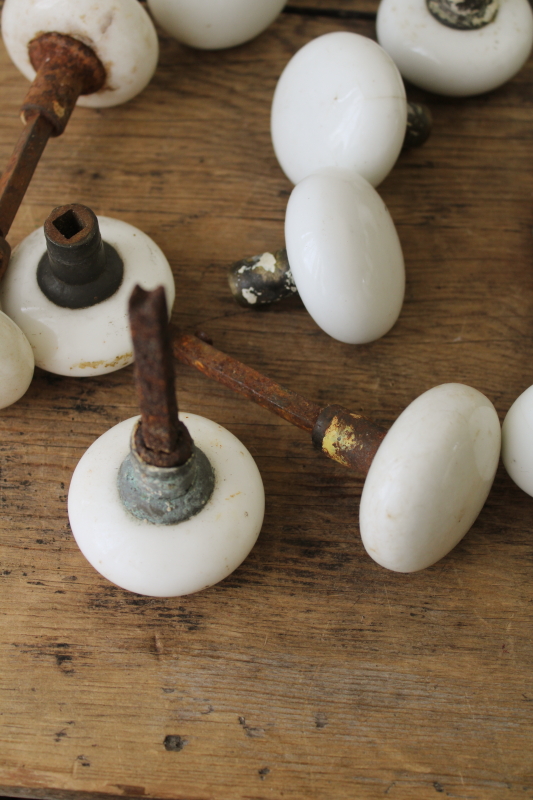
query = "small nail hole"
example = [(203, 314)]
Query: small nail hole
[(174, 743), (68, 224)]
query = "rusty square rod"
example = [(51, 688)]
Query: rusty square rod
[(161, 439), (66, 68), (350, 439)]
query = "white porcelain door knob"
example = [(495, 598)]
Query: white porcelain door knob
[(517, 441), (85, 341), (430, 478), (167, 560), (345, 256), (212, 24), (340, 102), (455, 62), (16, 362), (119, 31)]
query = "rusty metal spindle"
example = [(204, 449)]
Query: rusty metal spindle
[(20, 169), (66, 68), (161, 439), (245, 380), (350, 439)]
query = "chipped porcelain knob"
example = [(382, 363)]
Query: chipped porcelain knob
[(16, 362), (451, 61), (167, 560), (430, 478), (91, 337), (517, 441), (345, 256), (119, 31), (340, 102), (212, 25)]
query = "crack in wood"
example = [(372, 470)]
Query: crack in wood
[(332, 13)]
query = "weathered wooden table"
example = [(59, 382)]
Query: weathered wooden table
[(310, 672)]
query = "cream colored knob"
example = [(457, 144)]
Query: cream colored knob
[(81, 342), (119, 31), (340, 102), (345, 256), (167, 560), (453, 62), (430, 478), (517, 441), (16, 362), (211, 24)]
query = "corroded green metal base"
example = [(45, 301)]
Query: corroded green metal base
[(165, 495)]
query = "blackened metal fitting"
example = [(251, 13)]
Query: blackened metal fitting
[(464, 15), (419, 125), (261, 280), (79, 269)]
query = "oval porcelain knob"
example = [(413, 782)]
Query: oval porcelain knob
[(345, 256), (517, 441), (340, 102), (16, 362), (167, 560), (430, 478), (426, 479), (120, 32), (212, 25), (91, 339), (448, 61)]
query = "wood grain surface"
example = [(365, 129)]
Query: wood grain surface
[(311, 672)]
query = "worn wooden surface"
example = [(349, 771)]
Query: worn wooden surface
[(311, 672)]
